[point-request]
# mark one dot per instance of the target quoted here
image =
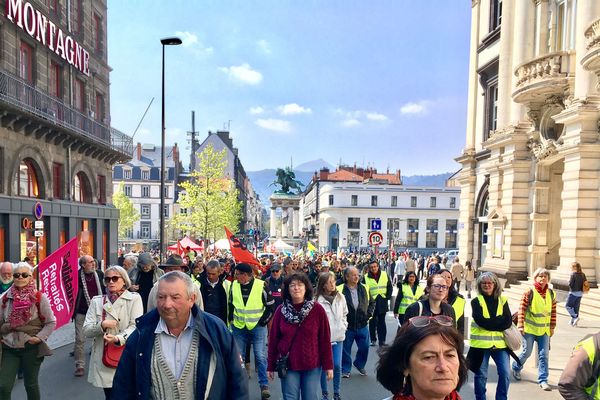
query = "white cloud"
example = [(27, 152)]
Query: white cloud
[(243, 73), (256, 110), (372, 116), (264, 46), (277, 125), (190, 40), (349, 123), (352, 118), (420, 107), (293, 109)]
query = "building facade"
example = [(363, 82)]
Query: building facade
[(141, 183), (530, 166), (57, 147), (337, 209)]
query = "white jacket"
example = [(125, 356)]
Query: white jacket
[(126, 309), (336, 314)]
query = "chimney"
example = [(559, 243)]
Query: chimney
[(175, 156), (324, 174), (139, 151)]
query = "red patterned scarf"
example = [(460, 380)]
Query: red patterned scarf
[(23, 299)]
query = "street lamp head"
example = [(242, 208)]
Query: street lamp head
[(170, 41)]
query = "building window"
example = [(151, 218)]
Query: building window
[(26, 180), (488, 78), (451, 233), (57, 180), (432, 233), (76, 16), (129, 233), (145, 230), (166, 211), (145, 211), (330, 199), (100, 109), (145, 175), (82, 191), (353, 223), (452, 202), (55, 79), (127, 174), (412, 233), (413, 201), (495, 14), (53, 8), (98, 34), (563, 25), (166, 193), (354, 200), (26, 62), (394, 201), (145, 191), (183, 211), (127, 190), (78, 95), (433, 202), (101, 189), (373, 201)]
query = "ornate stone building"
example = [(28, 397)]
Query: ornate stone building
[(531, 165)]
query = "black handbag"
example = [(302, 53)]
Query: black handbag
[(281, 364)]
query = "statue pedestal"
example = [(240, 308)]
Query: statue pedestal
[(290, 205)]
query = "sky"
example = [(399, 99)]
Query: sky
[(379, 83)]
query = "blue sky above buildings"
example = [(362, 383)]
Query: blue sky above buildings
[(377, 83)]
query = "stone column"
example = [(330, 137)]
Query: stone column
[(272, 223), (467, 214), (473, 79), (522, 50), (284, 223), (587, 12), (291, 222), (505, 67), (296, 228)]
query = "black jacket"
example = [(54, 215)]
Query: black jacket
[(358, 318), (382, 303), (80, 293)]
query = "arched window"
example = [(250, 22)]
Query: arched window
[(26, 182), (82, 191)]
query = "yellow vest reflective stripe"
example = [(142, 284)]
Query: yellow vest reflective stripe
[(590, 349), (377, 288), (247, 316), (459, 307), (408, 297), (537, 316), (482, 338)]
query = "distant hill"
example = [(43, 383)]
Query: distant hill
[(262, 179)]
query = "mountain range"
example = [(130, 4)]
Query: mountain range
[(262, 180)]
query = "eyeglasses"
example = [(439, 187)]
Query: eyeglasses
[(113, 279), (423, 321), (18, 275), (296, 285), (439, 287)]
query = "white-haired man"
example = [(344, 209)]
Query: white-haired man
[(6, 276)]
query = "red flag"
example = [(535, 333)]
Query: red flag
[(58, 279), (180, 249), (239, 251)]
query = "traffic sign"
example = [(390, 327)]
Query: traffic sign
[(38, 233), (38, 210), (375, 238), (375, 224), (38, 224)]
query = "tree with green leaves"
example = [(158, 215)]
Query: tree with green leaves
[(127, 213), (210, 198)]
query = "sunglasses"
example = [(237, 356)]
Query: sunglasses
[(113, 279), (423, 321), (440, 287), (18, 275)]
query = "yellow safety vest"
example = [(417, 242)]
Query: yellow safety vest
[(482, 338), (459, 307), (537, 316), (408, 297), (589, 347), (247, 316), (377, 288)]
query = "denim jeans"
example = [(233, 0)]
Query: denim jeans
[(336, 348), (305, 383), (258, 338), (362, 341), (502, 360), (543, 343), (573, 303)]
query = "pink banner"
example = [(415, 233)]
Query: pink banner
[(58, 280)]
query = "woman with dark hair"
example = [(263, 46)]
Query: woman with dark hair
[(456, 300), (491, 315), (300, 332), (425, 362), (469, 277), (575, 292), (433, 303), (409, 292)]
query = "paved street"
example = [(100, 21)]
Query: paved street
[(57, 379)]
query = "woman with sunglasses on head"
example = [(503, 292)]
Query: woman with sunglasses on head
[(491, 315), (432, 304), (425, 362), (26, 322), (110, 319), (409, 292), (455, 299)]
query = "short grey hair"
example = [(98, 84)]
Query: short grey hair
[(178, 275), (6, 263), (131, 259), (347, 271), (541, 271), (213, 264), (21, 265), (492, 277), (122, 272)]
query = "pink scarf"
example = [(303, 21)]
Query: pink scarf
[(23, 299)]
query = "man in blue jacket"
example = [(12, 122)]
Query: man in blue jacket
[(150, 366)]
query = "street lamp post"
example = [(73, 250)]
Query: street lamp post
[(171, 41)]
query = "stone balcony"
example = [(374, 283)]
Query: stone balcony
[(543, 77), (31, 111), (591, 60)]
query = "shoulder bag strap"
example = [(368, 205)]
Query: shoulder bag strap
[(295, 334)]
